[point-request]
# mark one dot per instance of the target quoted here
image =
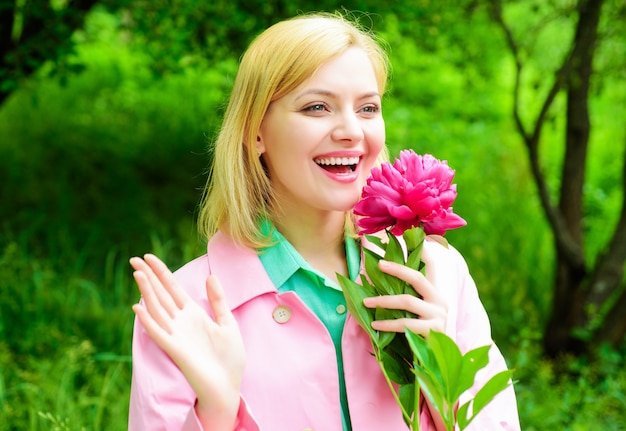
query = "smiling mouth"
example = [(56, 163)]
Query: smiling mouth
[(338, 165)]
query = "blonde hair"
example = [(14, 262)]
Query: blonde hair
[(238, 191)]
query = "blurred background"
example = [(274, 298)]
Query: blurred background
[(106, 111)]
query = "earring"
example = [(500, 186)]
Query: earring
[(258, 150)]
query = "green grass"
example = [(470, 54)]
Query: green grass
[(64, 346), (65, 340)]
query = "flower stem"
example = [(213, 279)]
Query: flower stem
[(415, 426), (393, 390)]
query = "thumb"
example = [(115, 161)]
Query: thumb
[(217, 300)]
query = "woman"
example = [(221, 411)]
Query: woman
[(254, 335)]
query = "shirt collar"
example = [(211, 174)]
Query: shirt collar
[(281, 260)]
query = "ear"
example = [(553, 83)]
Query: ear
[(260, 146)]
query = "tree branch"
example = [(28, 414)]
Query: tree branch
[(45, 35), (496, 14), (609, 271), (614, 324), (564, 240), (7, 16)]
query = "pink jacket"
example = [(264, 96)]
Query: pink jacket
[(291, 382)]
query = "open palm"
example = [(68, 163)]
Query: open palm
[(209, 352)]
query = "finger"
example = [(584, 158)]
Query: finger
[(422, 309), (399, 302), (425, 327), (217, 299), (154, 330), (157, 273), (151, 300), (160, 292), (167, 279), (419, 326), (429, 261), (415, 278)]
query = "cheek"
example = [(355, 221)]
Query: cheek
[(376, 141)]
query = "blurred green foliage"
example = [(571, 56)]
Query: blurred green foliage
[(110, 162)]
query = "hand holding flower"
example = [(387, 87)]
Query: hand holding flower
[(411, 199), (430, 306)]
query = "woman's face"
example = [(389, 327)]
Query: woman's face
[(320, 141)]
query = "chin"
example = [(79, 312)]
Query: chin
[(347, 205)]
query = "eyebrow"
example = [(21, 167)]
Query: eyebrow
[(327, 93)]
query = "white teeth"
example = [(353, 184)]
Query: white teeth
[(346, 161)]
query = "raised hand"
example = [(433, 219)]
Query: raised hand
[(209, 352)]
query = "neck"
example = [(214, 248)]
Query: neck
[(318, 237)]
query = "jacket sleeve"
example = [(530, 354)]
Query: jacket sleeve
[(160, 397), (472, 330)]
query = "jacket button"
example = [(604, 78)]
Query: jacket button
[(281, 314), (340, 309)]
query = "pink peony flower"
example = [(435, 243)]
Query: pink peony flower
[(414, 191)]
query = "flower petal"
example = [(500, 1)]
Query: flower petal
[(415, 190), (401, 212), (439, 225)]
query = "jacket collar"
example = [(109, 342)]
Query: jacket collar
[(239, 270)]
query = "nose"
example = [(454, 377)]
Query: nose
[(348, 128)]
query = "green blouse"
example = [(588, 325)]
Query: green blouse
[(289, 271)]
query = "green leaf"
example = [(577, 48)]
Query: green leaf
[(432, 390), (420, 349), (415, 241), (371, 259), (389, 314), (406, 393), (384, 338), (414, 260), (367, 288), (493, 387), (486, 394), (376, 240), (410, 290), (399, 349), (473, 361), (427, 361), (443, 374), (394, 252), (449, 359), (392, 368), (354, 294), (405, 368), (414, 238), (383, 283), (461, 415)]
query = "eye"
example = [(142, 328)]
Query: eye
[(316, 107), (371, 109)]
